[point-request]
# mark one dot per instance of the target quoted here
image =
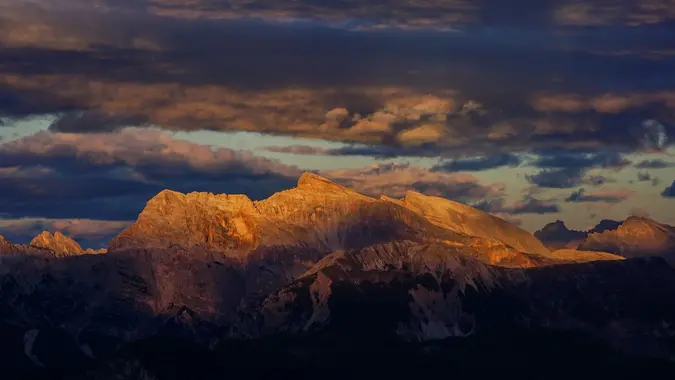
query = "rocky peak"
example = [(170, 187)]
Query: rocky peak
[(213, 220), (314, 182), (556, 235), (605, 225), (58, 243)]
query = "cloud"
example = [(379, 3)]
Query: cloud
[(625, 12), (639, 212), (479, 163), (93, 122), (642, 177), (609, 103), (669, 192), (654, 164), (645, 177), (581, 160), (300, 150), (406, 94), (568, 169), (529, 205), (557, 178), (607, 196), (393, 179), (111, 175)]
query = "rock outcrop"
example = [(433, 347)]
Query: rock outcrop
[(58, 243)]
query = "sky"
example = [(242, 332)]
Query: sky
[(534, 111)]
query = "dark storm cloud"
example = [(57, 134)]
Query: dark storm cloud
[(479, 163), (581, 160), (566, 169), (394, 179), (607, 196), (112, 175), (92, 122), (409, 92), (654, 164), (529, 205), (669, 192), (557, 178)]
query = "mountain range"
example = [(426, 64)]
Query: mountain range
[(317, 275)]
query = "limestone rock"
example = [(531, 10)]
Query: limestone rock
[(58, 243)]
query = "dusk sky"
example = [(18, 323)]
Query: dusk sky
[(533, 110)]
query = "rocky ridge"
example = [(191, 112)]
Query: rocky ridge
[(323, 217)]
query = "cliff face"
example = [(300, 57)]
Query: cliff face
[(58, 243), (421, 292)]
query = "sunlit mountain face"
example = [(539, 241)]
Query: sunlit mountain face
[(555, 116)]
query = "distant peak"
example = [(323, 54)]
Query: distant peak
[(57, 242), (315, 181)]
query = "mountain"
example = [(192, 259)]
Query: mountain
[(556, 235), (58, 243), (635, 237), (315, 271)]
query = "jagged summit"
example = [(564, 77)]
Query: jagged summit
[(58, 243), (323, 216), (309, 179)]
